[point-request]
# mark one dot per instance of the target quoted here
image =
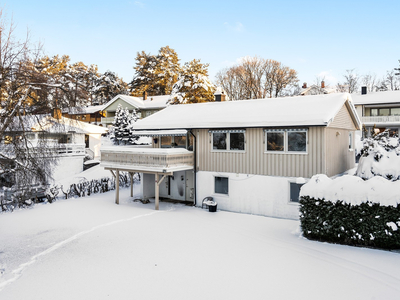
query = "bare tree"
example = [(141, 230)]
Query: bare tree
[(392, 80), (370, 81), (255, 78), (17, 156), (350, 83)]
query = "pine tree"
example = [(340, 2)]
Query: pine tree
[(155, 74), (132, 119), (107, 86), (193, 85)]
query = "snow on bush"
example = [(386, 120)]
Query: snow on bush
[(380, 156)]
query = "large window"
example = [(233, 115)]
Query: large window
[(228, 140), (221, 185), (173, 141), (386, 111), (286, 140)]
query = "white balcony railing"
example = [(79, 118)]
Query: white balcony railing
[(151, 159), (53, 149), (381, 119)]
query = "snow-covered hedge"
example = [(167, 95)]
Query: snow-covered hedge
[(380, 156), (351, 211)]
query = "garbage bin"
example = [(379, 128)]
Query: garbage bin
[(212, 207)]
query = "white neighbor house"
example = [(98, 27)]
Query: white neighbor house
[(251, 156)]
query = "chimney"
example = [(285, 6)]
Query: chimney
[(322, 84), (144, 95), (363, 90), (56, 113), (304, 85), (219, 96)]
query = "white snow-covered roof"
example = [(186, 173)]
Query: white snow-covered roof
[(318, 110), (83, 110), (178, 132), (388, 97), (152, 102), (50, 124), (156, 102)]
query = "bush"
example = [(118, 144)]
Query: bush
[(366, 224)]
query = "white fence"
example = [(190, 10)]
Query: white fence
[(381, 119)]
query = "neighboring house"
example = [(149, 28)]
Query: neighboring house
[(378, 111), (316, 90), (70, 140), (89, 114), (251, 156), (146, 106)]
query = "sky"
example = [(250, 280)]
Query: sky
[(316, 38)]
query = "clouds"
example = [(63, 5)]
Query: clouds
[(139, 4), (237, 27)]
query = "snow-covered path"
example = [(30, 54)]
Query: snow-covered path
[(91, 248)]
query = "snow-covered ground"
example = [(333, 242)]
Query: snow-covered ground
[(90, 248)]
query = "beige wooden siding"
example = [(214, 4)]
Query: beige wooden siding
[(339, 157), (255, 161), (114, 105), (343, 120)]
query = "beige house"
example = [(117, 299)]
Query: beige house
[(251, 156), (146, 106), (378, 111)]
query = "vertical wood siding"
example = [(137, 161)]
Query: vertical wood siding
[(339, 157), (343, 120), (254, 160)]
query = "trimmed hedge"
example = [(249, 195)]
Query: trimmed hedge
[(368, 224)]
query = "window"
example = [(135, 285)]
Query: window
[(228, 140), (286, 140), (295, 191), (350, 140), (221, 185), (173, 141), (166, 141)]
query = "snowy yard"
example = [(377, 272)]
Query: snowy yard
[(90, 248)]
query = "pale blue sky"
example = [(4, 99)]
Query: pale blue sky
[(312, 37)]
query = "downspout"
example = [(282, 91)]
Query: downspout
[(195, 165)]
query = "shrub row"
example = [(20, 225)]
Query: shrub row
[(81, 189), (368, 224)]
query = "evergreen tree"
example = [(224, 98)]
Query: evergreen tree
[(132, 119), (121, 124), (107, 86), (193, 85), (155, 74)]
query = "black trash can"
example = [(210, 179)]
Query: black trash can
[(212, 208)]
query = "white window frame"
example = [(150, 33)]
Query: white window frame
[(289, 199), (228, 140), (286, 141)]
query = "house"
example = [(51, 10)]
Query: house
[(316, 89), (378, 111), (146, 106), (251, 156), (70, 140), (89, 114)]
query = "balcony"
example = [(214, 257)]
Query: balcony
[(107, 120), (153, 160), (380, 120)]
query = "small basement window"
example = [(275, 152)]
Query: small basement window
[(221, 185), (295, 191)]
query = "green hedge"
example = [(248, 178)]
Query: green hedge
[(356, 225)]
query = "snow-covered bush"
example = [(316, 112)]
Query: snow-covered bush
[(352, 211), (380, 156)]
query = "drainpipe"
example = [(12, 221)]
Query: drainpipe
[(195, 165)]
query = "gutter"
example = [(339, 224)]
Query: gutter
[(195, 165)]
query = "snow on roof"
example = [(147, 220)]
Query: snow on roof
[(151, 102), (290, 111), (50, 124), (156, 101), (377, 98), (83, 110), (179, 132)]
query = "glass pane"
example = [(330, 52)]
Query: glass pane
[(374, 112), (295, 191), (166, 141), (237, 141), (275, 141), (297, 141), (350, 140), (221, 185), (219, 140), (395, 111), (393, 132), (384, 111), (180, 141)]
